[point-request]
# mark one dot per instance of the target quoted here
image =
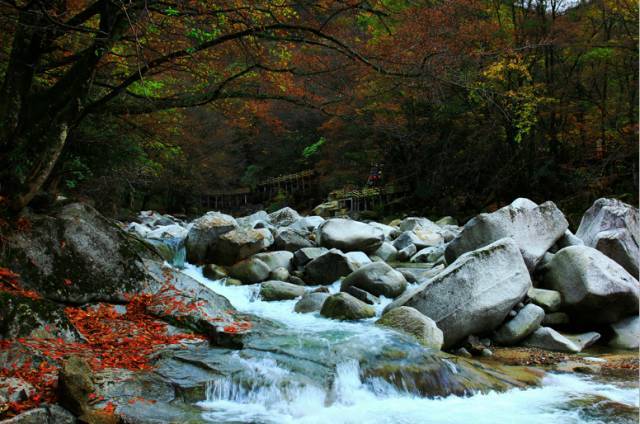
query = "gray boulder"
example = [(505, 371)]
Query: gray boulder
[(431, 254), (549, 300), (626, 334), (386, 252), (204, 235), (420, 240), (328, 267), (250, 271), (360, 294), (281, 274), (377, 278), (406, 253), (311, 302), (359, 259), (348, 235), (346, 307), (260, 219), (613, 228), (568, 239), (291, 240), (238, 244), (303, 256), (410, 321), (524, 323), (474, 294), (447, 220), (534, 229), (413, 223), (594, 287), (279, 290), (308, 224), (276, 259), (284, 217), (549, 339), (555, 319), (389, 232)]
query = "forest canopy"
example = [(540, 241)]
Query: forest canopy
[(469, 103)]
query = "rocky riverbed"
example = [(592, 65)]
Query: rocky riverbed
[(287, 318)]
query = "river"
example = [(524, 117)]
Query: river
[(272, 390)]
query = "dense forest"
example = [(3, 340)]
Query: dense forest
[(467, 103)]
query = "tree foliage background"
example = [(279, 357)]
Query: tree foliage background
[(469, 103)]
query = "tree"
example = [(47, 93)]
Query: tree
[(71, 59)]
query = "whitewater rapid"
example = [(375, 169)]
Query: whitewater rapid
[(562, 398)]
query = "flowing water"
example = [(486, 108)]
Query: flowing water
[(315, 370)]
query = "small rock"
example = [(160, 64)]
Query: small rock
[(525, 322), (406, 253), (328, 268), (214, 272), (555, 318), (346, 307), (311, 302), (251, 270), (549, 300), (377, 278), (360, 294), (280, 290), (462, 352), (626, 334), (486, 353), (279, 274)]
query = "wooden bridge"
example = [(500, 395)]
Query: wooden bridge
[(367, 198), (264, 190)]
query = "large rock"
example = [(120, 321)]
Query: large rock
[(204, 235), (474, 294), (524, 323), (307, 224), (280, 290), (594, 287), (346, 307), (168, 232), (76, 255), (292, 240), (549, 339), (626, 334), (386, 252), (431, 254), (534, 229), (311, 302), (377, 278), (303, 256), (389, 232), (348, 235), (409, 320), (549, 300), (408, 238), (255, 220), (251, 270), (238, 244), (284, 217), (276, 259), (328, 267), (613, 228)]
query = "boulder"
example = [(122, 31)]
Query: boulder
[(250, 271), (612, 227), (348, 235), (346, 307), (408, 238), (389, 232), (168, 232), (406, 253), (327, 209), (204, 234), (311, 302), (43, 414), (279, 290), (593, 287), (474, 294), (410, 321), (284, 217), (236, 245), (568, 239), (420, 275), (377, 278), (328, 268), (533, 228), (360, 294), (280, 274), (291, 240), (415, 223), (525, 322), (359, 259), (303, 256), (549, 339), (76, 255), (258, 219), (626, 334), (276, 259), (386, 252), (549, 300), (308, 224), (431, 254)]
